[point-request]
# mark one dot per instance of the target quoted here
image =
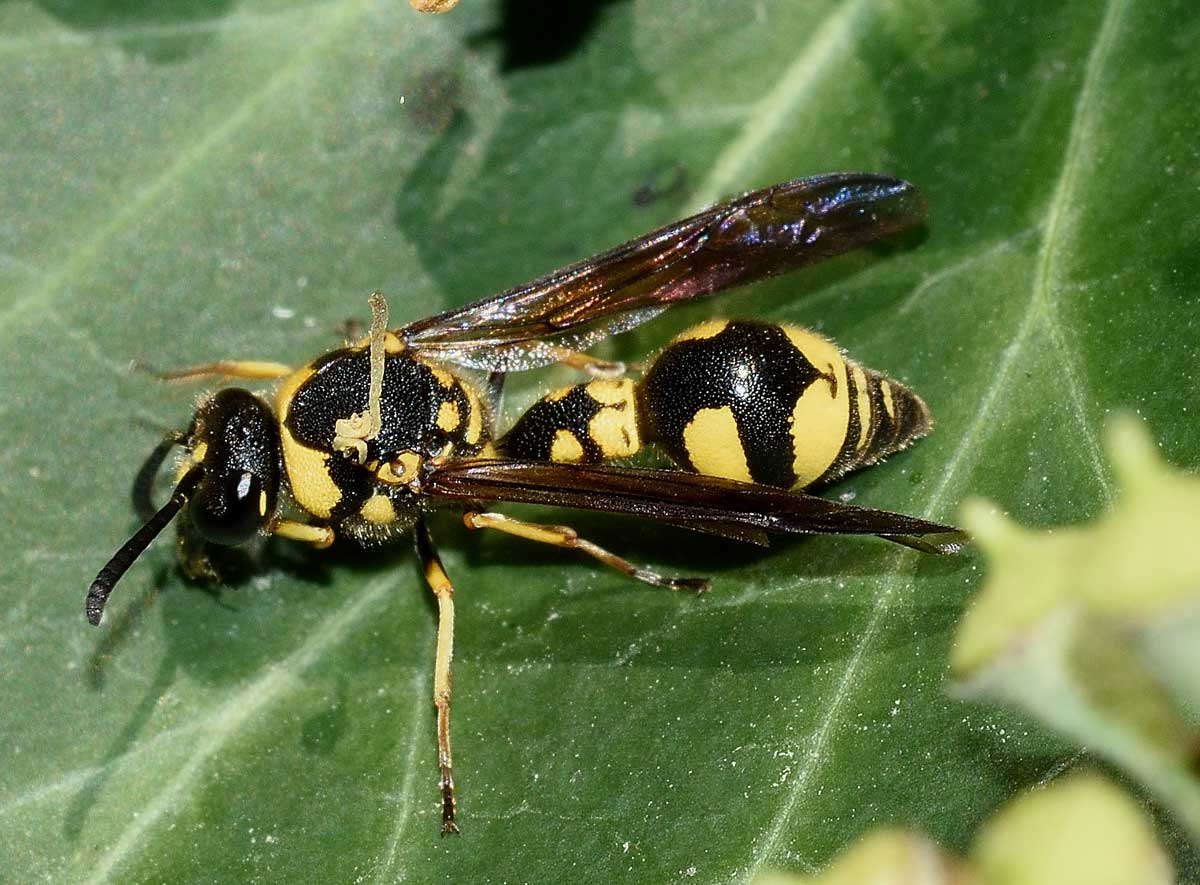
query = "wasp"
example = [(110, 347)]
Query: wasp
[(366, 440)]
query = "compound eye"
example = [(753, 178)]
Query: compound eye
[(238, 442), (230, 508)]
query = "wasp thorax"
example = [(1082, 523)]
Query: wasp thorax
[(236, 443)]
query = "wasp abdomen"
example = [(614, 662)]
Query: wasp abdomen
[(773, 404), (582, 424), (758, 402), (887, 417)]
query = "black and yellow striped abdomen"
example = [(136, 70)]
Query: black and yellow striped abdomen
[(757, 402), (582, 424), (773, 404)]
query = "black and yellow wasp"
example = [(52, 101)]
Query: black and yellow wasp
[(367, 439)]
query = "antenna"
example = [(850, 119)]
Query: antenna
[(143, 483), (102, 587)]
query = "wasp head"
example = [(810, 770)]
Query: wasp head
[(229, 482), (235, 444)]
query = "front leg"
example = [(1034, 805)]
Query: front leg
[(249, 370), (319, 536)]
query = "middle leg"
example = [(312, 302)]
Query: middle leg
[(439, 583)]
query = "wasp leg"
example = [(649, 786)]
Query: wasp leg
[(194, 560), (260, 370), (351, 330), (442, 589), (495, 390), (320, 536), (585, 362), (565, 536)]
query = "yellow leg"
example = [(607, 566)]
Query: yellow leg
[(439, 583), (565, 536), (585, 362), (320, 536), (250, 369)]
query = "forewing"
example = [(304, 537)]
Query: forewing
[(757, 235), (720, 506)]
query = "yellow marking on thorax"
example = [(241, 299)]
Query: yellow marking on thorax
[(400, 470), (713, 446), (566, 448), (307, 473), (448, 417), (478, 413), (614, 427), (198, 453), (475, 418), (378, 510), (308, 476), (863, 402), (821, 416), (555, 395), (615, 433), (287, 390), (707, 329)]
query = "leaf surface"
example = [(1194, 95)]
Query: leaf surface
[(230, 179)]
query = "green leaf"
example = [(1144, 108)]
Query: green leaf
[(191, 181)]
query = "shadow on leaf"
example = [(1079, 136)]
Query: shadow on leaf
[(159, 30)]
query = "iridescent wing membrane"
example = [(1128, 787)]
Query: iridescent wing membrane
[(757, 235)]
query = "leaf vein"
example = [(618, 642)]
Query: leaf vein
[(820, 738), (771, 112), (951, 270), (405, 805), (149, 195), (231, 717), (1056, 223)]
